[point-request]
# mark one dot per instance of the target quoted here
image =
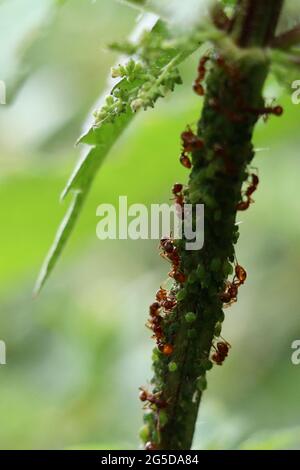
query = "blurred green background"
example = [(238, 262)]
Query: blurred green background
[(77, 354)]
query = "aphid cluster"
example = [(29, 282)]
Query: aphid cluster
[(229, 295), (221, 352), (190, 143), (246, 196)]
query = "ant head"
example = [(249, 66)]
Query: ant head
[(222, 347), (142, 394), (278, 110), (177, 188)]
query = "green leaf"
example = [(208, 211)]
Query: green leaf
[(102, 138), (61, 237)]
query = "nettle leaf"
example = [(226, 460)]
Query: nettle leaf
[(61, 237), (151, 73)]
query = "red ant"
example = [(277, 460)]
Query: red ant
[(229, 296), (240, 275), (191, 141), (170, 252), (155, 325), (253, 185), (154, 309), (169, 304), (244, 204), (221, 353), (152, 398), (167, 245), (266, 111), (161, 294), (185, 160), (155, 321), (177, 275), (178, 194), (197, 87), (164, 300)]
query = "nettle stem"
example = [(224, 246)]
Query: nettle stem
[(234, 87)]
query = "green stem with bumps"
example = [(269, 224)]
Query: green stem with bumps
[(218, 173)]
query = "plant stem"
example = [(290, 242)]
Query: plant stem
[(216, 180)]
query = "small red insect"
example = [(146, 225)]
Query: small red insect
[(240, 275), (229, 296), (154, 324), (185, 160), (152, 398), (266, 111), (177, 191), (221, 353), (191, 141), (154, 309), (169, 304), (170, 252), (161, 294), (178, 276), (167, 245), (197, 87), (253, 185), (246, 198), (243, 205)]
